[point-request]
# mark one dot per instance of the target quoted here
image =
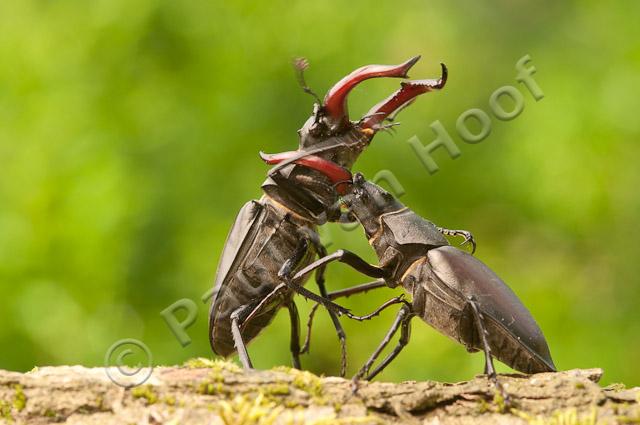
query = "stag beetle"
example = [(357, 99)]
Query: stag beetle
[(451, 290), (275, 236)]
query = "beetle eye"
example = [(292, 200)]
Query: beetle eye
[(316, 129)]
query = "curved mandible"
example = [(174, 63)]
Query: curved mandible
[(335, 101), (402, 98), (337, 174)]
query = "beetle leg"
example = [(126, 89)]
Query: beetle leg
[(468, 236), (319, 275), (489, 369), (402, 320), (295, 333), (364, 287), (395, 300), (307, 339), (347, 257), (289, 267), (358, 289), (376, 312), (237, 335), (263, 302), (293, 315)]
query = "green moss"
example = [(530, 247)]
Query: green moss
[(560, 417), (615, 387), (19, 400), (307, 382), (628, 419), (580, 386), (18, 403), (211, 388), (284, 369), (242, 411), (146, 392), (214, 384), (50, 413), (483, 406), (498, 401), (100, 402), (169, 400), (290, 404), (277, 389), (5, 411), (217, 365), (352, 420)]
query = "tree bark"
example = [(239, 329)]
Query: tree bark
[(216, 392)]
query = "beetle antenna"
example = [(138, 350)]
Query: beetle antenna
[(300, 65)]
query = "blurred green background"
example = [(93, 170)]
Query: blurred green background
[(129, 133)]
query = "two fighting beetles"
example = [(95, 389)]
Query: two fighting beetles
[(271, 248)]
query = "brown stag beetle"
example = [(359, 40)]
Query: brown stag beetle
[(330, 134), (450, 289), (275, 236)]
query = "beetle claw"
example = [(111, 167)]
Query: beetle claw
[(470, 239), (468, 236), (500, 391), (355, 385)]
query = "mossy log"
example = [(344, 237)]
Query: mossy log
[(215, 392)]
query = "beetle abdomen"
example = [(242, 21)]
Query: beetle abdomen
[(443, 284), (262, 239)]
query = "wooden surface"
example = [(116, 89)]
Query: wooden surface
[(216, 392)]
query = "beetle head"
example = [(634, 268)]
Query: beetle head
[(329, 126), (367, 202), (364, 200)]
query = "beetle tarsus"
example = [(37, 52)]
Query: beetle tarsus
[(400, 322), (468, 236), (307, 341)]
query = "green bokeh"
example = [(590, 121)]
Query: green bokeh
[(129, 133)]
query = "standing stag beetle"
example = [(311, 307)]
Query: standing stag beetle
[(451, 290), (275, 236)]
